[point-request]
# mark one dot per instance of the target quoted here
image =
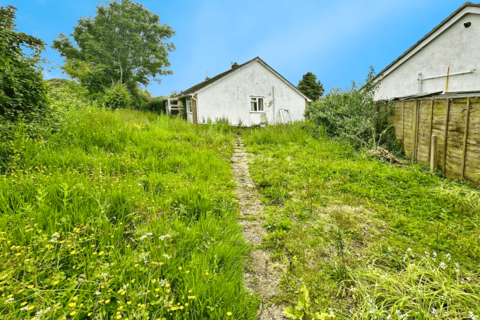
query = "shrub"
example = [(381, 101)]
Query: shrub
[(140, 98), (22, 91), (351, 115), (158, 105), (65, 93), (117, 96)]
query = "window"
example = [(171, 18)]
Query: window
[(256, 104), (189, 106)]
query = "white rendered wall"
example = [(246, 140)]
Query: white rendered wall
[(230, 97), (456, 47)]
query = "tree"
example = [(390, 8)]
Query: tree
[(23, 93), (310, 86), (123, 43)]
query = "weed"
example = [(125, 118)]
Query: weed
[(351, 218), (302, 309), (120, 215)]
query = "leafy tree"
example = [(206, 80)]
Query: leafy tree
[(22, 91), (310, 87), (123, 43)]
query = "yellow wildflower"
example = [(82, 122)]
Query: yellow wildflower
[(72, 304), (179, 268), (22, 304), (119, 316), (229, 313), (73, 313), (31, 308), (101, 253), (129, 302), (73, 252), (30, 287), (107, 301)]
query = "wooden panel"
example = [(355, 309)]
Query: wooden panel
[(455, 138), (399, 120), (408, 128), (423, 138), (472, 154), (458, 148), (438, 129)]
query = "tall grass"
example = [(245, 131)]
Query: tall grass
[(335, 216), (120, 215)]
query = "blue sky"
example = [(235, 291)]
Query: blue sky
[(336, 40)]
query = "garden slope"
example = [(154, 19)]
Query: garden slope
[(366, 237), (120, 215)]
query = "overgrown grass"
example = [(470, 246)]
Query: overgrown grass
[(120, 215), (370, 240)]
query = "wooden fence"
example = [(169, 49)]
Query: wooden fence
[(455, 121)]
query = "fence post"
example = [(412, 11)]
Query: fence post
[(467, 116), (433, 153), (403, 124)]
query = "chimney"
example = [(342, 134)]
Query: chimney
[(234, 65), (207, 78)]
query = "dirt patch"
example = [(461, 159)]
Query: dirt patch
[(358, 218), (262, 276)]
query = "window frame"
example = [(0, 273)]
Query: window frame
[(256, 99), (189, 106)]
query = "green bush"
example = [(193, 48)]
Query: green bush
[(158, 105), (351, 115), (23, 94), (65, 93), (140, 99), (117, 96)]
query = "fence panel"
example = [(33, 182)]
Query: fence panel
[(472, 152), (455, 122), (408, 127)]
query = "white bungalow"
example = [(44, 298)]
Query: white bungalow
[(248, 94), (446, 60)]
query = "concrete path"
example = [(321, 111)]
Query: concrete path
[(262, 275)]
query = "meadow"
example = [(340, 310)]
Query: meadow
[(120, 215), (131, 215), (365, 239)]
